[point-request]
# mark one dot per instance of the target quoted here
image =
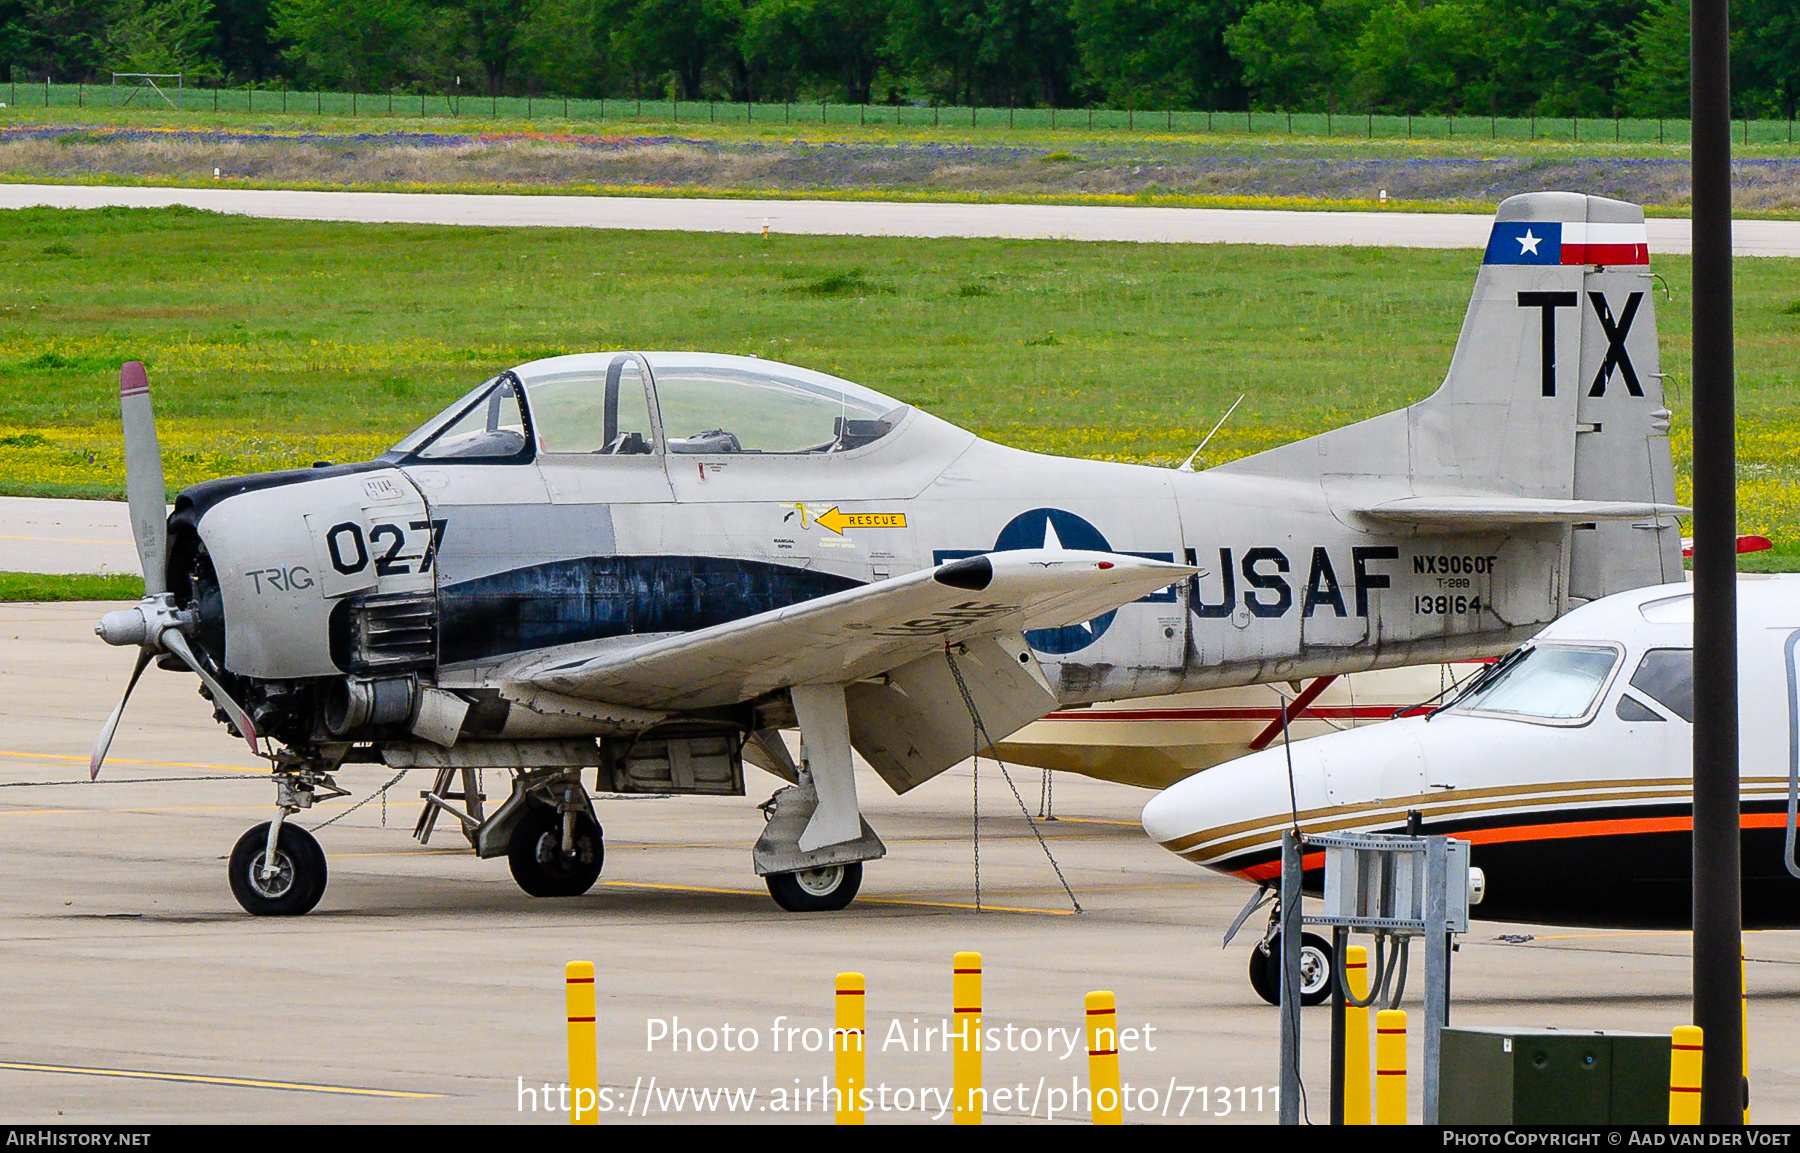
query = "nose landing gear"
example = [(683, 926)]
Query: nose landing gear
[(277, 869), (286, 886), (1315, 968)]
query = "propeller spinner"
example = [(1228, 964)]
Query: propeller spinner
[(155, 625)]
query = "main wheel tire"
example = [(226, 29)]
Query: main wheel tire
[(816, 890), (1315, 969), (537, 860), (299, 878)]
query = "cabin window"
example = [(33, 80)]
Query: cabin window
[(718, 405), (602, 412), (1666, 676), (1552, 682)]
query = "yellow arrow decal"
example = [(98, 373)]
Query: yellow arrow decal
[(837, 521)]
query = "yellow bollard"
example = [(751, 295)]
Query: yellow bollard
[(1685, 1051), (1744, 996), (965, 1042), (1356, 1038), (1390, 1067), (584, 1048), (847, 1042), (1103, 1059)]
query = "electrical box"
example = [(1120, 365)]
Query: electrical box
[(1498, 1076), (1376, 879)]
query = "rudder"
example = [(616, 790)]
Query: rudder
[(1552, 408)]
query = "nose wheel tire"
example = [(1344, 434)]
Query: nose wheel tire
[(1315, 969), (538, 862), (816, 890), (297, 881)]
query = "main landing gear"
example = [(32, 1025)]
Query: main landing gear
[(546, 829), (822, 890), (556, 854)]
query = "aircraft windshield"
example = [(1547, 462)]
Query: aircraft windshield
[(730, 404), (1548, 682), (486, 424)]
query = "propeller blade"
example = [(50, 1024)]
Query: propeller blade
[(177, 644), (104, 740), (144, 491)]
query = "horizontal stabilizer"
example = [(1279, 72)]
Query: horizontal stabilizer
[(848, 636), (1482, 513)]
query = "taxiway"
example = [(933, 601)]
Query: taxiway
[(426, 987), (862, 217)]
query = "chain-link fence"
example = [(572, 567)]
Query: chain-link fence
[(470, 107)]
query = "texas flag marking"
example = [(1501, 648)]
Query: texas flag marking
[(1572, 242)]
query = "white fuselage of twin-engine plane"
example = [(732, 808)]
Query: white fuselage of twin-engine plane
[(1567, 765)]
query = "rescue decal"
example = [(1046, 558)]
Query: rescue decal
[(838, 521)]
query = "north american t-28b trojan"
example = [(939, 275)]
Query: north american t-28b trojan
[(636, 570)]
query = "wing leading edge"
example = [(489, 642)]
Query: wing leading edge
[(848, 636)]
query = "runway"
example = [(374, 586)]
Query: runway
[(863, 218), (426, 987)]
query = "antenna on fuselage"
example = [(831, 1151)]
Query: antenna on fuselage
[(1188, 464)]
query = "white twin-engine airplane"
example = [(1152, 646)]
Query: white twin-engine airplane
[(1568, 766), (645, 566)]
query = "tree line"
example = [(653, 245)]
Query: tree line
[(1590, 58)]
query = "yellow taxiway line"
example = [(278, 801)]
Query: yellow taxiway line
[(199, 1079), (82, 759), (861, 900)]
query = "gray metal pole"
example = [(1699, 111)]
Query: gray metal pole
[(1437, 965), (1290, 978), (1718, 912)]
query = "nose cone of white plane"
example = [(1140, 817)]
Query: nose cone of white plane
[(1231, 817), (1168, 815), (1201, 818)]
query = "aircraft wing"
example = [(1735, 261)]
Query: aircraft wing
[(1482, 513), (847, 636)]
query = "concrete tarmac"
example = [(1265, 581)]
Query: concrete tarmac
[(864, 218), (426, 987), (42, 535)]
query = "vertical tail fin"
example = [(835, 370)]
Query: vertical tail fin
[(1554, 394)]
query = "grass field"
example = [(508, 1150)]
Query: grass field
[(28, 586), (274, 344)]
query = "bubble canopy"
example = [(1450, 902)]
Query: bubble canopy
[(685, 403)]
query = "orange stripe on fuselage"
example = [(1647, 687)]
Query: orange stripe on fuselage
[(1614, 828), (1269, 870), (1564, 830)]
